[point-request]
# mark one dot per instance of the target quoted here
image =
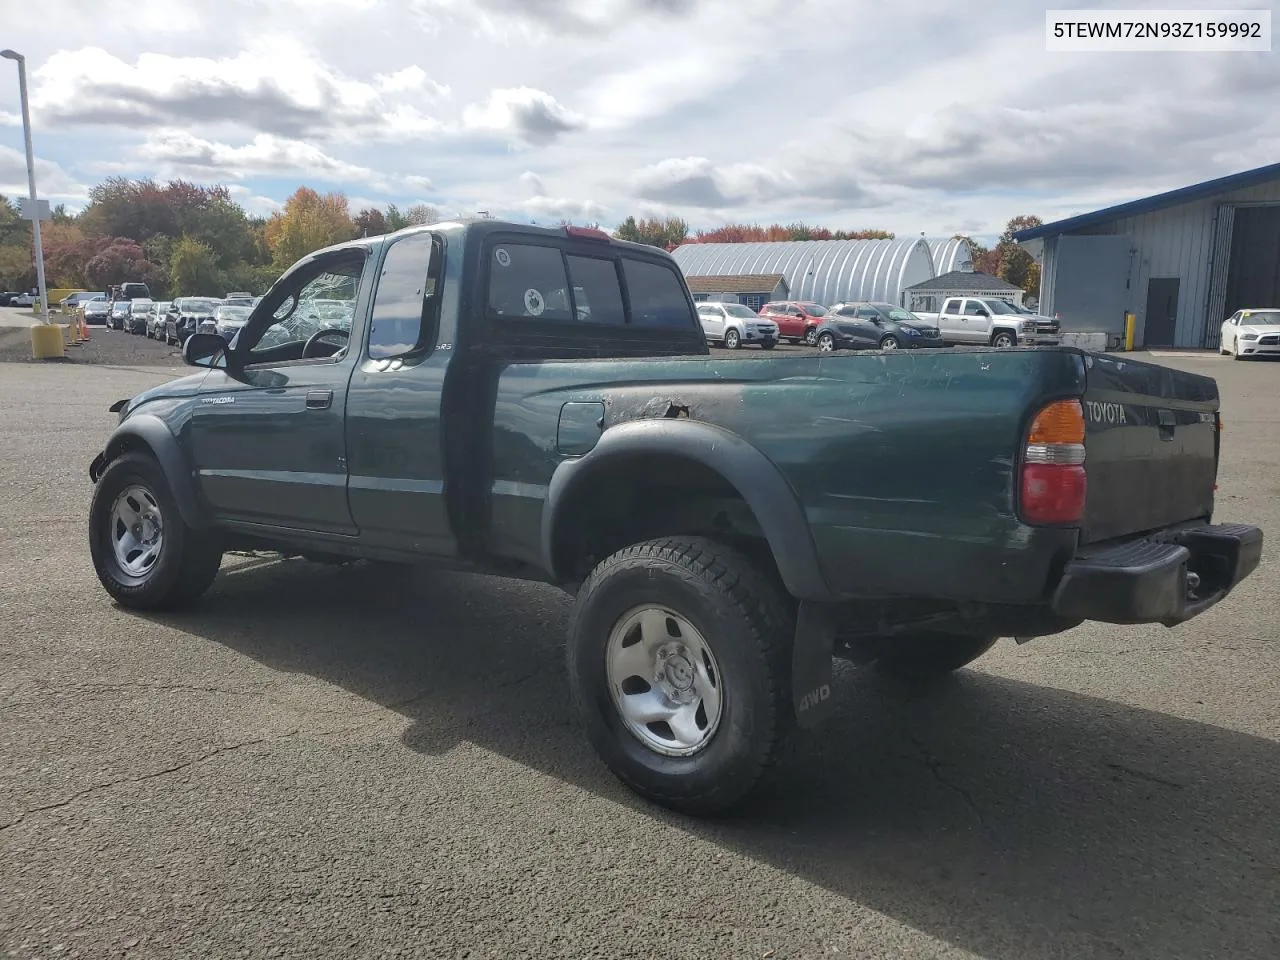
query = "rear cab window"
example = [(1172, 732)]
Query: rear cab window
[(575, 292)]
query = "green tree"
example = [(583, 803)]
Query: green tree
[(17, 267), (668, 233), (395, 219), (13, 229), (307, 223), (193, 269)]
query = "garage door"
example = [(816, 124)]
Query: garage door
[(1253, 279)]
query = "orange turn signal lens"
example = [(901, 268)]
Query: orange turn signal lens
[(1060, 422)]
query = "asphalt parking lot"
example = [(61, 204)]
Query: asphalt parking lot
[(320, 763)]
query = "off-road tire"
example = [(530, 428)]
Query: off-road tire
[(927, 656), (742, 614), (188, 560)]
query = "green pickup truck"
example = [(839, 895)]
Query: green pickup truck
[(541, 403)]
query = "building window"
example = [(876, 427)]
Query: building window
[(754, 301)]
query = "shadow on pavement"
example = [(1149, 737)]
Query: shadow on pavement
[(1016, 821)]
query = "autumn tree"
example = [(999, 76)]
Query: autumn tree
[(421, 214), (371, 222), (17, 267), (777, 232), (122, 260), (193, 269), (308, 222), (1014, 262)]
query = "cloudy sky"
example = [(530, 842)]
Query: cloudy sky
[(912, 116)]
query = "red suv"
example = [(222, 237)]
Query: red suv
[(797, 320)]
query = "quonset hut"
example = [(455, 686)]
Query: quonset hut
[(825, 271)]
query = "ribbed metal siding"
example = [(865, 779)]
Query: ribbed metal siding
[(826, 271), (1219, 267), (950, 253), (1179, 242)]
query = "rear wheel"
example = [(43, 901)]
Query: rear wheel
[(679, 659), (144, 554), (1003, 339), (768, 344), (926, 656), (731, 339)]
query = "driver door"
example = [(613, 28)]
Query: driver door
[(268, 438)]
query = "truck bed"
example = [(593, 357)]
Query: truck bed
[(905, 464)]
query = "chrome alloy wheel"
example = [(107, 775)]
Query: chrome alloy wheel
[(137, 531), (665, 681)]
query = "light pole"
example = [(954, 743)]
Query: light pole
[(31, 178)]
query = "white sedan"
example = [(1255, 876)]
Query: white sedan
[(1252, 333)]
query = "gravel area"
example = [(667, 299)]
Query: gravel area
[(111, 347)]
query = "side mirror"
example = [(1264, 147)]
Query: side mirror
[(205, 350), (984, 313)]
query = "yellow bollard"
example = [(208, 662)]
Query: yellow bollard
[(47, 342), (1130, 328)]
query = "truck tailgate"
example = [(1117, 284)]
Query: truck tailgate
[(1151, 435)]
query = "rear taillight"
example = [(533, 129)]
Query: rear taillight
[(1053, 476)]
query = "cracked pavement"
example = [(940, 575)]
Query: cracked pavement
[(319, 762)]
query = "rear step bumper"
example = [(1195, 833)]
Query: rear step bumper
[(1167, 578)]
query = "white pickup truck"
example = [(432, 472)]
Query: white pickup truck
[(990, 320)]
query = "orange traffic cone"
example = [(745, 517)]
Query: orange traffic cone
[(84, 329)]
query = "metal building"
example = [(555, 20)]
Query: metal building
[(950, 254), (1181, 261), (825, 271)]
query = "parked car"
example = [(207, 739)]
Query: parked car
[(872, 325), (76, 301), (139, 314), (185, 317), (23, 300), (1251, 333), (990, 320), (734, 324), (96, 311), (725, 531), (119, 314), (227, 320), (797, 320), (155, 322), (238, 299)]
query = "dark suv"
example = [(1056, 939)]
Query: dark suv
[(185, 316), (873, 325)]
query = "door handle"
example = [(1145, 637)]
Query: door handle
[(319, 399)]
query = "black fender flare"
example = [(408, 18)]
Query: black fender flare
[(763, 487), (152, 434)]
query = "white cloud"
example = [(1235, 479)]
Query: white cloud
[(526, 115), (280, 89), (52, 181)]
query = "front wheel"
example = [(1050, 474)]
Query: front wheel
[(927, 655), (826, 343), (890, 343), (1003, 340), (679, 663), (768, 344), (144, 554), (811, 336), (731, 340)]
